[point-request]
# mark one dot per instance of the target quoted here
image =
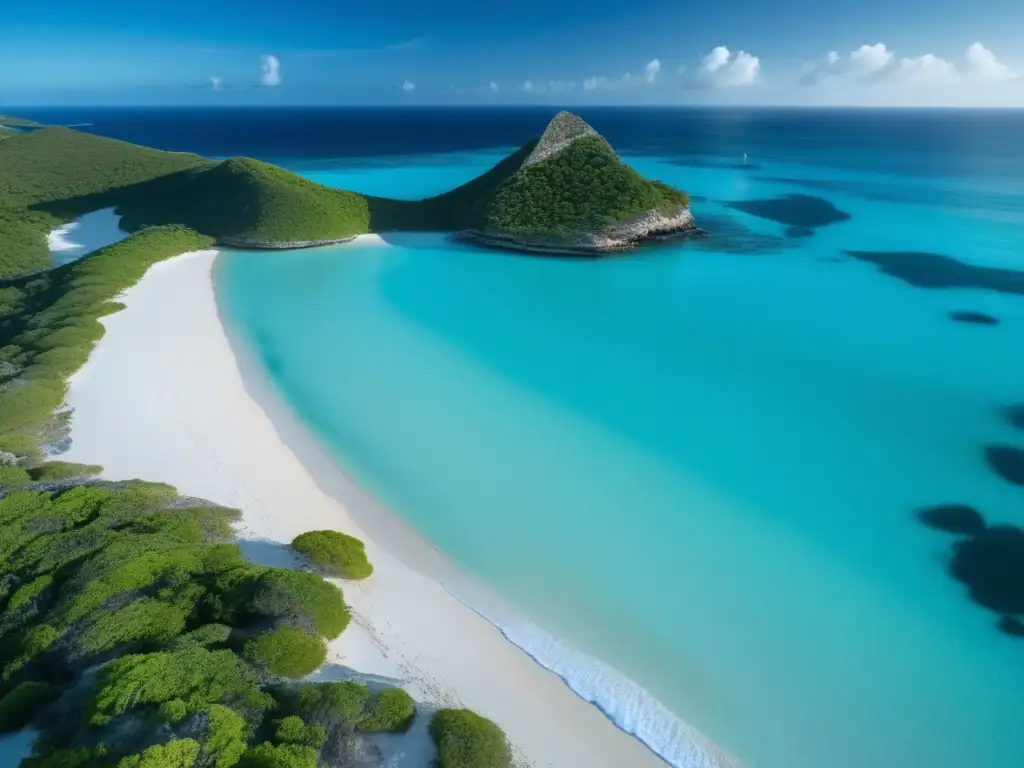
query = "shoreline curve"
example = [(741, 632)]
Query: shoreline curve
[(198, 411)]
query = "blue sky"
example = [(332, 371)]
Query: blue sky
[(266, 52)]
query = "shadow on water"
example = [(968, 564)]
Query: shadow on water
[(973, 318), (1014, 414), (933, 270), (802, 214), (901, 193), (1007, 461), (988, 560)]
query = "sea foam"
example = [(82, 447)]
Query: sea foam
[(626, 703)]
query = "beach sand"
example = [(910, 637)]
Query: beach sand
[(167, 396)]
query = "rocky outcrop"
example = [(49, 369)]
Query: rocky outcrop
[(563, 130), (259, 245), (624, 237)]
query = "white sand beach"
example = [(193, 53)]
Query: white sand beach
[(167, 396)]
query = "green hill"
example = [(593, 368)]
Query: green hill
[(567, 191), (245, 201), (574, 193), (53, 175)]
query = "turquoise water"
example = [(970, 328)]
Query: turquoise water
[(699, 464)]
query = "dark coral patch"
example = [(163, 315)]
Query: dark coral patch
[(1015, 415), (1006, 461), (798, 212), (953, 518), (933, 270), (1011, 626), (991, 565), (973, 318)]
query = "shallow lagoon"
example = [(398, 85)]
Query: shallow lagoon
[(700, 464)]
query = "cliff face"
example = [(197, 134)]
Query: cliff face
[(573, 195)]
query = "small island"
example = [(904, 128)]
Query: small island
[(567, 193)]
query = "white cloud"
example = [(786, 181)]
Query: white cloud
[(528, 86), (724, 69), (408, 86), (215, 83), (877, 64), (651, 70), (982, 64), (593, 83), (270, 70), (557, 86), (863, 64), (926, 70), (492, 87)]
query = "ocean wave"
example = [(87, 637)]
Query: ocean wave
[(627, 704)]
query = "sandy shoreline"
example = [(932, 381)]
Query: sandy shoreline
[(168, 396)]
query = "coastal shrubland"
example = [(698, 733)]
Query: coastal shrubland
[(464, 739), (286, 651), (334, 553)]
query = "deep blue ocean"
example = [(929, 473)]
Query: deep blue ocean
[(700, 474)]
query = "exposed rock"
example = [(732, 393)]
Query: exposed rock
[(651, 225), (563, 130), (259, 245)]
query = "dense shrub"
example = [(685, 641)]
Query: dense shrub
[(182, 753), (328, 703), (334, 553), (292, 730), (303, 599), (21, 704), (286, 651), (467, 740), (60, 470), (225, 737), (12, 477), (279, 756), (389, 710), (196, 676)]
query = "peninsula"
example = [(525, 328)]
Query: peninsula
[(566, 193)]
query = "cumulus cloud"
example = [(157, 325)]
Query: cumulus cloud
[(724, 69), (408, 86), (215, 83), (877, 64), (492, 87), (651, 70), (528, 86), (270, 70), (926, 70), (982, 64)]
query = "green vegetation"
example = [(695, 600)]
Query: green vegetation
[(389, 710), (20, 704), (54, 175), (286, 651), (583, 188), (331, 702), (467, 740), (48, 326), (280, 756), (334, 553), (62, 470), (293, 730)]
